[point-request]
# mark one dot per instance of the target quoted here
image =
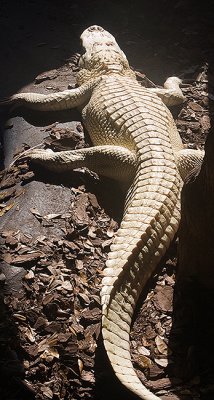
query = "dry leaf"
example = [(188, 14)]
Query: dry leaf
[(195, 106), (143, 350), (163, 362), (6, 208), (110, 232), (106, 243), (48, 217), (88, 376), (47, 392), (26, 258), (49, 354), (91, 232), (36, 213), (67, 286), (48, 75), (80, 365), (30, 334), (163, 299), (143, 361), (11, 241), (205, 122), (161, 345), (20, 317), (8, 182), (29, 275), (4, 196)]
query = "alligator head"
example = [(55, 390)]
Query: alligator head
[(102, 53)]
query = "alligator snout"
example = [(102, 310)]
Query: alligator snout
[(95, 28)]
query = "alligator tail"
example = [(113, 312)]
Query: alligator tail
[(148, 226)]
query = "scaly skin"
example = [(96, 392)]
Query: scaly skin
[(136, 142)]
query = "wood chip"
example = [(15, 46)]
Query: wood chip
[(163, 298), (26, 258), (30, 275), (161, 345), (6, 208)]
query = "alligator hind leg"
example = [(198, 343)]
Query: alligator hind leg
[(115, 162), (187, 160), (171, 94)]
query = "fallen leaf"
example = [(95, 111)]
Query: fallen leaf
[(8, 182), (47, 392), (29, 275), (84, 297), (195, 106), (48, 75), (29, 334), (52, 216), (161, 345), (205, 122), (11, 241), (4, 196), (47, 299), (20, 317), (88, 376), (142, 361), (93, 200), (106, 243), (143, 350), (66, 285), (163, 362), (6, 208), (26, 258), (41, 322), (80, 365), (91, 315), (37, 214), (91, 232), (49, 354), (163, 383), (163, 298)]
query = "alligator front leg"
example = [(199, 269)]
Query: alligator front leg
[(115, 162), (51, 102), (171, 94)]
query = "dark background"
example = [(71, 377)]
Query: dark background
[(159, 37)]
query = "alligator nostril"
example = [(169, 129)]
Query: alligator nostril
[(95, 28)]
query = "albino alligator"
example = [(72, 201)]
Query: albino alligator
[(136, 142)]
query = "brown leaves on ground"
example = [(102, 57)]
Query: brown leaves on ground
[(58, 314)]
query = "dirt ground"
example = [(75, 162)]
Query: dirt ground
[(56, 230)]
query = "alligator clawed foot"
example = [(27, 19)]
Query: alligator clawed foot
[(34, 155), (39, 155)]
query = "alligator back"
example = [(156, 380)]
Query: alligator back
[(121, 112), (124, 113)]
